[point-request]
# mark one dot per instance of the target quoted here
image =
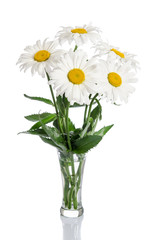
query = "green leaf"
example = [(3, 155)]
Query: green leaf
[(61, 105), (86, 127), (55, 136), (75, 105), (45, 120), (56, 124), (45, 100), (39, 132), (35, 117), (49, 141), (84, 144), (103, 130), (71, 125), (75, 134), (100, 109), (65, 100), (96, 113)]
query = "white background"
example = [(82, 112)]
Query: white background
[(121, 179)]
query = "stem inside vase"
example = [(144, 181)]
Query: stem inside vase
[(72, 166)]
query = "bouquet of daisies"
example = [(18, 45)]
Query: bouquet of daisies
[(77, 80)]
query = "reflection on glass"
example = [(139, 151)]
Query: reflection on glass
[(71, 228)]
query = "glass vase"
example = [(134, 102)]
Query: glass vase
[(72, 167)]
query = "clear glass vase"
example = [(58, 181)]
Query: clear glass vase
[(72, 167)]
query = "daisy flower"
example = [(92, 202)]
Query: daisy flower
[(75, 76), (113, 53), (78, 34), (116, 81), (39, 57)]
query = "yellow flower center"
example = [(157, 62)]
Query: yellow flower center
[(76, 76), (114, 79), (118, 53), (41, 56), (79, 30)]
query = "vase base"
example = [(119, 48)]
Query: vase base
[(71, 213)]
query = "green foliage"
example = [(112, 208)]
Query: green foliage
[(71, 125), (48, 134), (35, 117), (100, 109), (75, 134), (49, 141), (63, 130), (76, 105), (44, 100), (56, 124), (61, 105), (45, 120), (103, 130), (55, 136), (97, 112), (86, 127), (95, 115), (84, 144), (38, 132)]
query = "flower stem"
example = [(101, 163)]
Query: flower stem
[(85, 113), (55, 105), (90, 106), (72, 180), (53, 98), (67, 127)]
